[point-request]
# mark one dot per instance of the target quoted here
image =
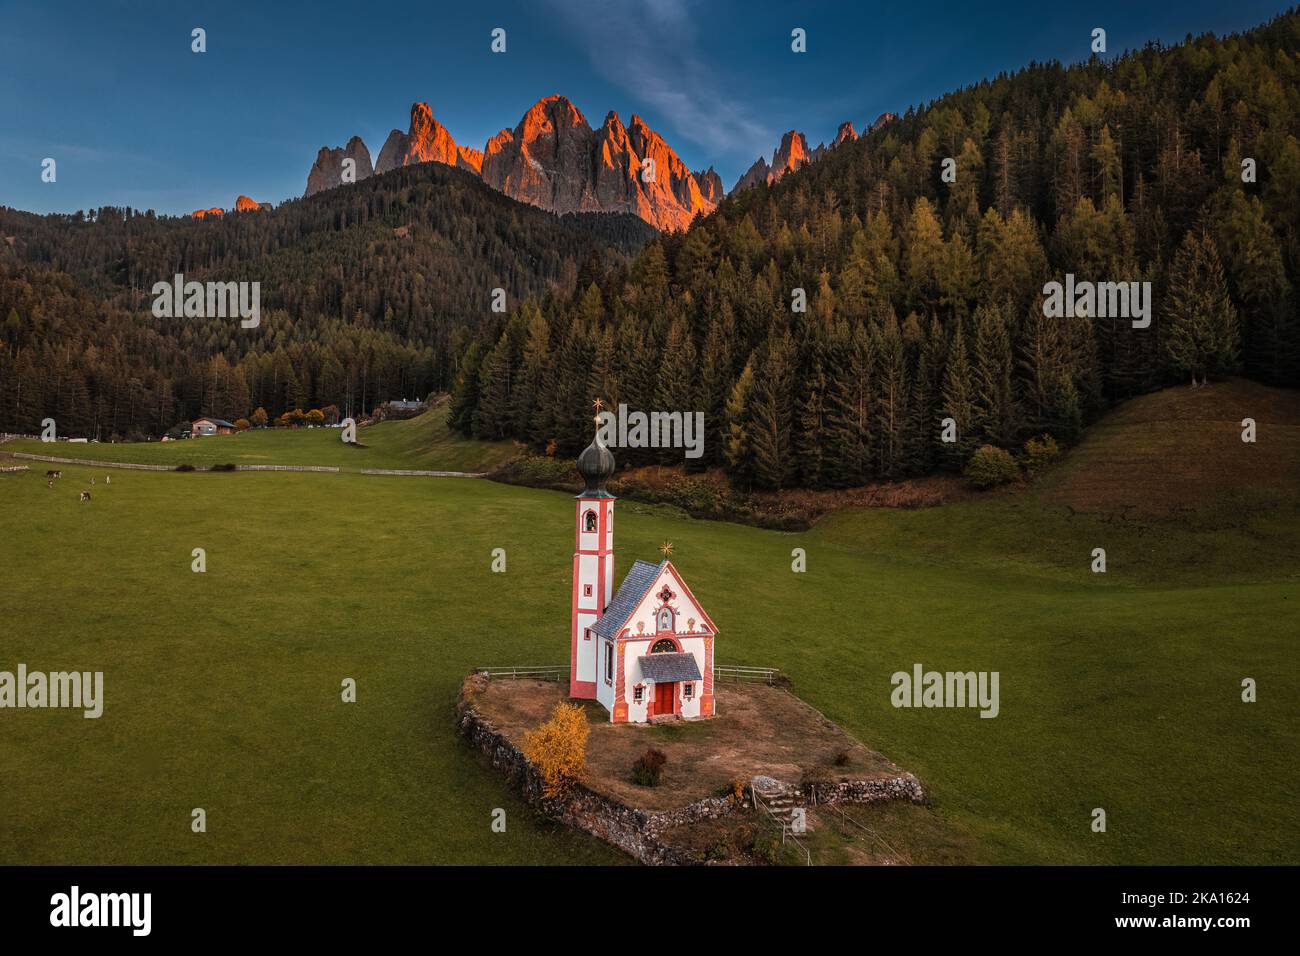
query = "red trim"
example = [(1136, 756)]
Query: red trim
[(698, 606), (707, 704), (619, 714), (575, 687), (602, 508)]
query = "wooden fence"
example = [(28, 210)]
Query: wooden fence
[(551, 672), (749, 675)]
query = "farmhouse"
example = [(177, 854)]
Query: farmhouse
[(647, 651), (211, 426)]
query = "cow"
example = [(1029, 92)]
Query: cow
[(85, 496), (108, 479), (53, 474)]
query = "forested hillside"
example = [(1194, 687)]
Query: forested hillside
[(924, 297), (368, 292)]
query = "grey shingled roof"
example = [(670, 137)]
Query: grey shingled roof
[(662, 668), (630, 593)]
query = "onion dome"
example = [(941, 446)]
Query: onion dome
[(596, 466)]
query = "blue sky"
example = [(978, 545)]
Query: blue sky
[(111, 90)]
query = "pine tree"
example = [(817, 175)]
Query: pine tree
[(771, 416), (1200, 321), (959, 402), (995, 413), (848, 407), (740, 450), (891, 399)]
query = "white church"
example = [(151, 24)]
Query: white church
[(647, 651)]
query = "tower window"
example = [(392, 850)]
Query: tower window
[(589, 521), (586, 590)]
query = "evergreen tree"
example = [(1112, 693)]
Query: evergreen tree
[(1200, 321), (771, 416)]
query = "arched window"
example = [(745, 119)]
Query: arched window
[(664, 620), (589, 521), (663, 647)]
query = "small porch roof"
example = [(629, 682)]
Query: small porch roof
[(667, 668)]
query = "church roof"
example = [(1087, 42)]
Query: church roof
[(630, 592), (662, 668)]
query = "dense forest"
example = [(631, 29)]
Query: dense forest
[(922, 297), (1176, 166), (368, 293)]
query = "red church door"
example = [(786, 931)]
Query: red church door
[(664, 696)]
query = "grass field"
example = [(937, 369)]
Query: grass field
[(1118, 690), (423, 443)]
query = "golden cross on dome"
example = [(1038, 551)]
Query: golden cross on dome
[(598, 405), (666, 548)]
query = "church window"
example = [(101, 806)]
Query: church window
[(663, 647), (688, 690), (589, 521), (638, 694), (665, 620), (609, 663)]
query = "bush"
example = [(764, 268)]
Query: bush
[(1040, 452), (841, 759), (186, 467), (767, 849), (649, 768), (226, 467), (558, 749), (241, 424), (991, 466)]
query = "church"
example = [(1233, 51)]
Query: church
[(644, 652)]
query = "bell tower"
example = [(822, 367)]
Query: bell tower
[(593, 564)]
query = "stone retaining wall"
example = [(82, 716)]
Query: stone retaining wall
[(639, 833), (635, 832)]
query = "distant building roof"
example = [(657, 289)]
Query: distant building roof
[(219, 422), (630, 593), (405, 403), (675, 666)]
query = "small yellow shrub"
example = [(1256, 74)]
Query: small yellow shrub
[(558, 749)]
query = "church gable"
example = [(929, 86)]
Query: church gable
[(668, 606)]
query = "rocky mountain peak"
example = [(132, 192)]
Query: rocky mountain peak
[(327, 171)]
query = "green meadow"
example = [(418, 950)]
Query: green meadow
[(421, 443), (1119, 690)]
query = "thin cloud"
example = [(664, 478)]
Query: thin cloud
[(649, 49)]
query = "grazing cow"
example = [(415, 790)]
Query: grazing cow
[(108, 479), (53, 474), (85, 496)]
